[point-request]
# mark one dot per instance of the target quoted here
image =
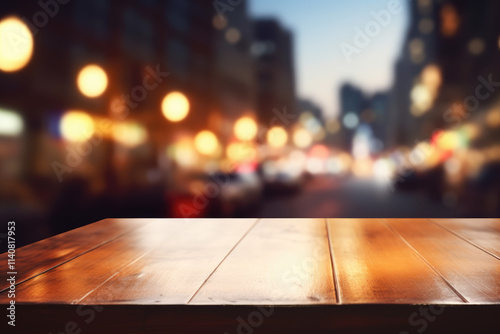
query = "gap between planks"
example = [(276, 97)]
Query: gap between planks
[(334, 265), (425, 261), (225, 257), (458, 235), (74, 257)]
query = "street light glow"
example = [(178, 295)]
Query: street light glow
[(302, 138), (77, 126), (16, 44), (11, 123), (92, 81), (277, 137), (206, 143), (245, 129), (175, 106)]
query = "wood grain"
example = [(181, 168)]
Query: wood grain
[(174, 271), (374, 265), (71, 281), (484, 233), (280, 262), (31, 260), (473, 273)]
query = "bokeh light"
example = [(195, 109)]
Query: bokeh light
[(476, 46), (206, 143), (350, 120), (175, 106), (16, 44), (233, 35), (183, 153), (302, 138), (241, 152), (277, 137), (245, 128), (11, 123), (129, 134), (77, 126), (493, 118), (92, 81), (333, 126), (450, 20)]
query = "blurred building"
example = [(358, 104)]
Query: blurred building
[(306, 105), (377, 117), (234, 86), (273, 50), (352, 104), (361, 109), (147, 49), (449, 44)]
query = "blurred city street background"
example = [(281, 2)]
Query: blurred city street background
[(247, 108)]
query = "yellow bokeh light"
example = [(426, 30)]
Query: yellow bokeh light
[(175, 106), (129, 134), (448, 141), (183, 153), (277, 137), (92, 81), (240, 152), (450, 20), (302, 138), (77, 126), (431, 77), (422, 100), (245, 128), (16, 44), (206, 143), (493, 118)]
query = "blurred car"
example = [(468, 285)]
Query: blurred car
[(189, 196), (286, 174), (241, 192)]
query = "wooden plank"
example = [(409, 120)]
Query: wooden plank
[(374, 265), (484, 233), (280, 262), (34, 259), (174, 271), (72, 280), (473, 273), (187, 251)]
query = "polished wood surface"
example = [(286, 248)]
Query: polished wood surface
[(156, 274), (484, 234), (373, 265), (49, 253), (281, 261), (470, 271)]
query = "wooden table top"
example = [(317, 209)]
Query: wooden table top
[(129, 265)]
